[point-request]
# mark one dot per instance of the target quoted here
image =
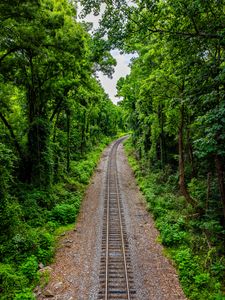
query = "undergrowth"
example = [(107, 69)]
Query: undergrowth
[(193, 242), (32, 233)]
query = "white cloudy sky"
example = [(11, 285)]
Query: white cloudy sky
[(121, 70)]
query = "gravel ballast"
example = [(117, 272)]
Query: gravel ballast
[(74, 274)]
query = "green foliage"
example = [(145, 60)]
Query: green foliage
[(202, 280), (174, 102), (36, 219), (44, 278), (29, 268), (188, 266), (174, 97), (25, 295), (11, 214), (212, 136), (9, 209), (32, 241), (55, 119), (171, 234), (64, 213), (7, 159), (193, 242), (82, 170), (11, 281), (198, 189), (34, 203)]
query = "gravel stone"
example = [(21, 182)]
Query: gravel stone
[(155, 277), (48, 293), (77, 268)]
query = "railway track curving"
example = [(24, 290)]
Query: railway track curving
[(116, 276)]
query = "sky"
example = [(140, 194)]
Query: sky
[(121, 70)]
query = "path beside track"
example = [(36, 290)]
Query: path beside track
[(75, 275)]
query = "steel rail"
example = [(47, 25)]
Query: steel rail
[(112, 176), (107, 235), (121, 232)]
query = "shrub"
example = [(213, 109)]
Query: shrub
[(23, 244), (51, 226), (64, 213), (198, 189), (10, 216), (171, 234), (31, 242), (194, 241), (174, 236), (11, 281), (45, 249), (218, 268), (45, 256), (26, 294), (83, 170), (30, 221), (202, 279), (29, 268), (188, 265)]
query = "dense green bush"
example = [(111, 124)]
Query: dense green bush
[(29, 268), (193, 241), (83, 169), (26, 294), (55, 119), (64, 213), (11, 281), (30, 235), (171, 234), (10, 211)]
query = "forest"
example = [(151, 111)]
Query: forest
[(174, 101), (55, 119)]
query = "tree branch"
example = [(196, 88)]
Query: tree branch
[(188, 34), (198, 33), (8, 53), (16, 144), (56, 109)]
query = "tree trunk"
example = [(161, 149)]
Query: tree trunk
[(39, 168), (209, 176), (15, 142), (55, 126), (220, 175), (82, 144), (68, 141), (182, 184), (191, 156), (162, 138)]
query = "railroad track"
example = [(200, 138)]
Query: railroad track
[(116, 277)]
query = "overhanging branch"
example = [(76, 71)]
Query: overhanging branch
[(15, 142)]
